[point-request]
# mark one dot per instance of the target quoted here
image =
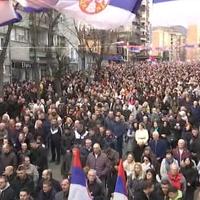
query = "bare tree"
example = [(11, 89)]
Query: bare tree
[(53, 19), (63, 64), (35, 18), (95, 42), (3, 53)]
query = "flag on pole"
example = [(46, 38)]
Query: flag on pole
[(8, 14), (102, 14), (78, 189), (120, 187)]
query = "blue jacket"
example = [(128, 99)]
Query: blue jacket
[(119, 129), (159, 148)]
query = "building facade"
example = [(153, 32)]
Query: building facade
[(21, 53), (137, 33), (168, 43), (193, 42)]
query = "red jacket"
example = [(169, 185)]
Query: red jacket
[(179, 157)]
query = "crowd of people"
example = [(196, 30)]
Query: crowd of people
[(147, 114)]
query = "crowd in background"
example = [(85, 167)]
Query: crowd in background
[(148, 114)]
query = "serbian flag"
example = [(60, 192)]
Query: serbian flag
[(120, 187), (102, 14), (78, 189), (8, 15)]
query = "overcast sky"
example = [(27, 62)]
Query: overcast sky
[(178, 12)]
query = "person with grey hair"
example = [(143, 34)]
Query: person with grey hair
[(99, 161), (95, 186), (63, 195), (176, 178)]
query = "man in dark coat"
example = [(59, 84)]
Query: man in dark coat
[(85, 151), (39, 155), (98, 161), (162, 191), (47, 176), (10, 174), (7, 192), (195, 144), (7, 157), (23, 181), (55, 138), (119, 129), (146, 193), (63, 195), (47, 192), (158, 146), (95, 186)]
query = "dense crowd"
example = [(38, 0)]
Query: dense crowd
[(147, 114)]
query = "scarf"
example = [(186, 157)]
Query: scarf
[(168, 163)]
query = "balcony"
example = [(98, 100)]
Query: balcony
[(41, 52)]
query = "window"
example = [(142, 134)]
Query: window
[(73, 54), (13, 35), (21, 35), (43, 38)]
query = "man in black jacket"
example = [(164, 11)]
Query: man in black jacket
[(48, 176), (39, 155), (7, 157), (63, 195), (23, 181), (146, 193), (55, 137), (162, 192), (95, 186), (6, 192), (47, 192)]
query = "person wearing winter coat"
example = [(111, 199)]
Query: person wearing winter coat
[(47, 192), (63, 195), (195, 144), (135, 181), (6, 192), (22, 180), (98, 161), (181, 152), (141, 135), (95, 186), (158, 146), (147, 192), (7, 157), (175, 194), (191, 175), (166, 162), (176, 178), (55, 137)]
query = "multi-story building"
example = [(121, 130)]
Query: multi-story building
[(169, 43), (193, 42), (144, 23), (19, 63), (141, 31)]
